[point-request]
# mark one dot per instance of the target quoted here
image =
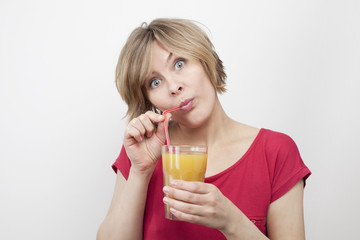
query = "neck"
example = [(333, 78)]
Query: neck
[(214, 130)]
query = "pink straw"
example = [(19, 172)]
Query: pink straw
[(166, 125)]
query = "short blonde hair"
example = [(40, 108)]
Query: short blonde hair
[(179, 36)]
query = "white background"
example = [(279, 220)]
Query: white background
[(293, 66)]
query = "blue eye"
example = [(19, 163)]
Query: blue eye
[(154, 83), (179, 64)]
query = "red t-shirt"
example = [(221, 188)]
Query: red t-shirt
[(271, 167)]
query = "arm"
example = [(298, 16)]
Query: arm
[(285, 219), (125, 217), (143, 147), (204, 204)]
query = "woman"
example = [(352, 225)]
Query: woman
[(254, 179)]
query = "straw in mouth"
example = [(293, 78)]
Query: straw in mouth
[(166, 124)]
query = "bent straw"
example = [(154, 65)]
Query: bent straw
[(166, 124)]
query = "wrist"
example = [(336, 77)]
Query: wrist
[(143, 176), (240, 227), (231, 227)]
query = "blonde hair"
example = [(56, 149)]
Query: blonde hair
[(179, 36)]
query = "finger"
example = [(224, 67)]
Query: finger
[(160, 131), (136, 123), (134, 133), (181, 216), (184, 207), (191, 186), (168, 117), (185, 196), (154, 117), (147, 124)]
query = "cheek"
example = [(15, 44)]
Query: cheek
[(159, 100), (207, 87), (203, 80)]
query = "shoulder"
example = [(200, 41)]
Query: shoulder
[(276, 140), (275, 135), (277, 149), (280, 150), (284, 162), (269, 139), (242, 132)]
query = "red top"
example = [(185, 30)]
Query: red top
[(270, 167)]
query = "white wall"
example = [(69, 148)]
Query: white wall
[(292, 66)]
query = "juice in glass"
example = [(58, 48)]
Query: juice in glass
[(185, 163)]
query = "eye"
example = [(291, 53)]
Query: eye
[(179, 64), (154, 83)]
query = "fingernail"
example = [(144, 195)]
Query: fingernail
[(166, 189), (174, 183), (165, 200)]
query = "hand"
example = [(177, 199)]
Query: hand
[(200, 203), (143, 142)]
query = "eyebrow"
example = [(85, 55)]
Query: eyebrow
[(169, 57), (167, 60)]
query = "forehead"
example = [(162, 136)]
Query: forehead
[(159, 53)]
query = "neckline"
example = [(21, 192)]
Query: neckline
[(248, 151)]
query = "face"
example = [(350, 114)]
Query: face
[(178, 81)]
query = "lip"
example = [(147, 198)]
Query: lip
[(187, 104)]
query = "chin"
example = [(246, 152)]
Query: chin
[(193, 119)]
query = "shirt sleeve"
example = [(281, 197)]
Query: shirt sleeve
[(122, 163), (286, 166)]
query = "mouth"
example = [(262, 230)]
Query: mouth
[(187, 104)]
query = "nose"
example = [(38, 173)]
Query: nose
[(175, 87), (176, 90)]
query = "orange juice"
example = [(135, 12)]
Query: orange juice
[(184, 166), (185, 163)]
